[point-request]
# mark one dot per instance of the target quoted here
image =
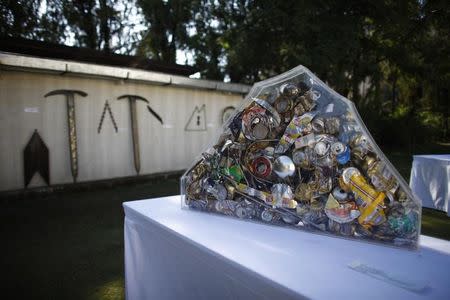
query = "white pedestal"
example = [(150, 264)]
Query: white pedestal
[(430, 180), (171, 253)]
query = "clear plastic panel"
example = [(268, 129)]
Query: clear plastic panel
[(297, 154)]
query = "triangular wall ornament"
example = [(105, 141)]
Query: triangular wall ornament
[(35, 159), (296, 153)]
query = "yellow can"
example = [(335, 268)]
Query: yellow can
[(370, 202)]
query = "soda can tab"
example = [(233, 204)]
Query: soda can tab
[(282, 196), (370, 202), (284, 167)]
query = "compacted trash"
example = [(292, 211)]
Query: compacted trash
[(297, 154)]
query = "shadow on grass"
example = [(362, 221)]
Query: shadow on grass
[(69, 245)]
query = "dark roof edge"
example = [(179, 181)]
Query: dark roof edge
[(57, 51)]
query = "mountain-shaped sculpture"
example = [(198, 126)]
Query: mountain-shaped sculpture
[(297, 154)]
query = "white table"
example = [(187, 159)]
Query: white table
[(430, 180), (172, 253)]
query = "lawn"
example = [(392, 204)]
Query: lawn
[(69, 245)]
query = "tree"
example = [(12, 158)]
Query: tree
[(19, 18), (167, 32)]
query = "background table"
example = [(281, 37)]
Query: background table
[(172, 253), (430, 180)]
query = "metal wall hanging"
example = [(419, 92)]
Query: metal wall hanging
[(150, 110), (134, 125), (71, 121), (107, 107), (36, 159), (197, 120)]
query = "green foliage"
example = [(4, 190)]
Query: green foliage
[(19, 18), (390, 57)]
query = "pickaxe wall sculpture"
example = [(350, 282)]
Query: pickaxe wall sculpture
[(134, 126), (70, 101)]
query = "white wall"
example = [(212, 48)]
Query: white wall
[(108, 154)]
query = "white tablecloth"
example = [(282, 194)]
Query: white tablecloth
[(430, 180), (172, 253)]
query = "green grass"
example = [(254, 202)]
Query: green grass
[(69, 245)]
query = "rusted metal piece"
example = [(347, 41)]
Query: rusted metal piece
[(134, 127), (36, 159), (107, 107), (71, 121)]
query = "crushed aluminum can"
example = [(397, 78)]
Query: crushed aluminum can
[(381, 178), (282, 196), (283, 105), (340, 195), (299, 125), (304, 86), (226, 207), (255, 123), (304, 158), (215, 189), (318, 125), (262, 167), (247, 190), (309, 100), (332, 125), (346, 229), (402, 225), (305, 141), (341, 212), (289, 90), (283, 166), (305, 191), (299, 109), (370, 202), (341, 152), (267, 215), (325, 184), (273, 113), (290, 219), (321, 149), (244, 211), (198, 204)]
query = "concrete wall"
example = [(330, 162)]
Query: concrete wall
[(168, 147)]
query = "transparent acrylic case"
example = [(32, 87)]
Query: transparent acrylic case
[(297, 154)]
